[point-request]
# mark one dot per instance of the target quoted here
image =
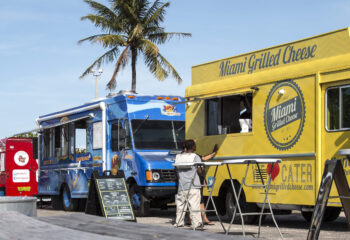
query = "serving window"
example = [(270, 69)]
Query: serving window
[(229, 114), (70, 138), (337, 108)]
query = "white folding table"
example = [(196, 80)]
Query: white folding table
[(265, 186), (207, 185)]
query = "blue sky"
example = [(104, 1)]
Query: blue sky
[(40, 60)]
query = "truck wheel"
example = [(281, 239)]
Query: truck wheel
[(230, 203), (139, 202), (331, 214), (307, 215), (56, 202), (69, 203)]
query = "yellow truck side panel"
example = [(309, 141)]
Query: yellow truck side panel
[(296, 177), (288, 85)]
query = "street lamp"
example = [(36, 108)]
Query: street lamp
[(96, 75)]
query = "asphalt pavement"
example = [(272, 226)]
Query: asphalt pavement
[(292, 226)]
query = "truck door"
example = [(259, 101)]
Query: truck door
[(21, 169), (335, 132), (121, 147)]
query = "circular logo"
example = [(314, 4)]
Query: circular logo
[(21, 158), (284, 114)]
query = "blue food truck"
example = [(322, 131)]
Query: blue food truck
[(136, 134)]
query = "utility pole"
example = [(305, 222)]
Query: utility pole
[(96, 74)]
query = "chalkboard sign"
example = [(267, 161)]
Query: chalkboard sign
[(333, 171), (109, 197)]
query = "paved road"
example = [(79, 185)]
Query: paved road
[(292, 226)]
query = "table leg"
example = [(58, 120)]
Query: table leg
[(266, 191), (237, 204), (210, 198)]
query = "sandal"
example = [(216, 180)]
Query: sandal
[(209, 223)]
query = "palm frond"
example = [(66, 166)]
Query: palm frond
[(121, 63), (99, 21), (109, 56), (158, 15), (162, 37), (107, 40), (91, 38), (152, 9), (170, 68), (124, 8), (149, 48), (101, 9), (140, 7), (155, 67), (136, 33)]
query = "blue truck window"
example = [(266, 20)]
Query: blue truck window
[(81, 136), (157, 134), (97, 135), (114, 136), (120, 135)]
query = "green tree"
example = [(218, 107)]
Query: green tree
[(131, 28), (26, 135)]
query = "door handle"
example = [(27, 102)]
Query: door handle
[(133, 173)]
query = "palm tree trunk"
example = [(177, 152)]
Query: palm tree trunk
[(133, 68)]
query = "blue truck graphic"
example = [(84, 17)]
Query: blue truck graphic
[(133, 133)]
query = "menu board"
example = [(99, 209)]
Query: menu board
[(333, 171), (114, 198)]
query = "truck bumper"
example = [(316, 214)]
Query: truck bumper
[(160, 192)]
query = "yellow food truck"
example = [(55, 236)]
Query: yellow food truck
[(291, 101)]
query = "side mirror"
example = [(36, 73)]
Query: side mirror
[(35, 147)]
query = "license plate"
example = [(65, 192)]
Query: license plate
[(23, 189)]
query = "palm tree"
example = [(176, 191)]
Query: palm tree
[(131, 28)]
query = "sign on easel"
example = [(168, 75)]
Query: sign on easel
[(333, 170), (109, 197)]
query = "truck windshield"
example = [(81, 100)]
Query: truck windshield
[(158, 134)]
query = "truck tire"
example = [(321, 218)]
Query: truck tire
[(331, 214), (140, 203), (307, 215), (69, 203), (230, 204)]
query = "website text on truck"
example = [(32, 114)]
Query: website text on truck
[(290, 101), (136, 134)]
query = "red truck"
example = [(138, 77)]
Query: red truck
[(18, 167)]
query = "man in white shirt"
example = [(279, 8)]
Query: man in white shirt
[(189, 184)]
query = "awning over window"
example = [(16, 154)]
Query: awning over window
[(64, 120)]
